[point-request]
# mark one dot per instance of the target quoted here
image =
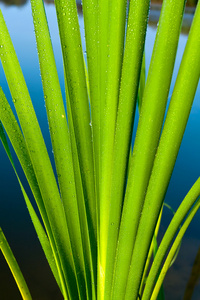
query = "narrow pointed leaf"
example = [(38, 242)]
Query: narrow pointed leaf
[(37, 151), (14, 267)]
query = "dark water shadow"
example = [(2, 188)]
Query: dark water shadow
[(193, 279)]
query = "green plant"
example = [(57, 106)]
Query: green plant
[(101, 218)]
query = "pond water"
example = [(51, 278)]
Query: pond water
[(14, 218)]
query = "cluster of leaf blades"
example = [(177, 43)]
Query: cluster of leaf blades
[(101, 210)]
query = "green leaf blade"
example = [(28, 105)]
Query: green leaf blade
[(14, 267), (136, 31), (78, 96), (169, 145), (59, 136), (190, 204), (36, 148)]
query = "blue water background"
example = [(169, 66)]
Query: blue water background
[(14, 217)]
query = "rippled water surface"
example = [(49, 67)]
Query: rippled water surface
[(14, 218)]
